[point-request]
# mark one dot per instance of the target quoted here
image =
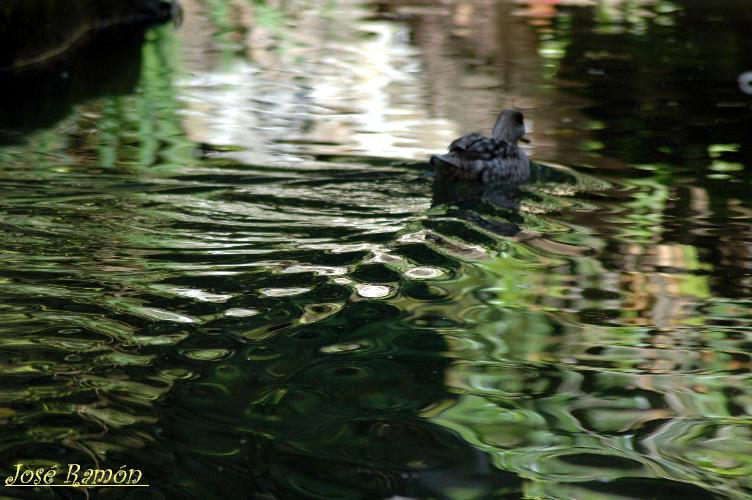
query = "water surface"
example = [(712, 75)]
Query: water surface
[(227, 263)]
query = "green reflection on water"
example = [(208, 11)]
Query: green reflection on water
[(330, 323)]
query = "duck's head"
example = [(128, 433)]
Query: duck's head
[(509, 126)]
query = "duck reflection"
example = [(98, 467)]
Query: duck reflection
[(476, 203)]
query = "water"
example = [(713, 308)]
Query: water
[(225, 262)]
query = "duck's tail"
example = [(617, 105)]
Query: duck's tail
[(447, 166)]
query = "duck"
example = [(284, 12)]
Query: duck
[(489, 160)]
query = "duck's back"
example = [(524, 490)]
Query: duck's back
[(474, 157)]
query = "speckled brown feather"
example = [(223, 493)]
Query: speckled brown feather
[(495, 159), (474, 157)]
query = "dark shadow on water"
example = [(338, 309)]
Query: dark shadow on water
[(285, 418), (204, 321), (105, 63), (670, 93)]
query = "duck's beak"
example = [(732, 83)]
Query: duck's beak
[(525, 139)]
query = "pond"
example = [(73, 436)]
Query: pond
[(226, 263)]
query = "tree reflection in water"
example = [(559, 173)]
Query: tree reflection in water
[(241, 278)]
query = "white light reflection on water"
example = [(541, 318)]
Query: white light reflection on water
[(354, 89)]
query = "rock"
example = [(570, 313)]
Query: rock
[(34, 31)]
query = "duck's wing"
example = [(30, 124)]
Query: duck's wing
[(458, 163), (476, 146), (473, 157), (465, 141)]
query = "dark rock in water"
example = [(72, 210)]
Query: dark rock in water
[(42, 95), (74, 58), (34, 31)]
